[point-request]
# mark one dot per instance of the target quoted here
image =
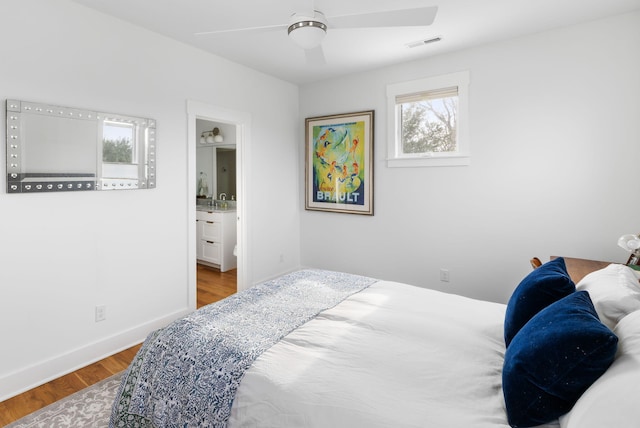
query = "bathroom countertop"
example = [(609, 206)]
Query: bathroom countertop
[(210, 208), (209, 204), (215, 210)]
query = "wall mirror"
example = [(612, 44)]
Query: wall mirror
[(216, 160), (53, 148)]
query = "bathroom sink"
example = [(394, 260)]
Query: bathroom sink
[(216, 205)]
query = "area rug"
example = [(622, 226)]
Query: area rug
[(88, 408)]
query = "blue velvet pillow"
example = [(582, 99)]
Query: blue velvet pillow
[(553, 359), (543, 286)]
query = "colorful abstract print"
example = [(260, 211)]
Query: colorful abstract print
[(338, 163)]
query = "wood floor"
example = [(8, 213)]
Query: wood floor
[(212, 286)]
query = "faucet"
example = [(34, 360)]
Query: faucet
[(223, 196)]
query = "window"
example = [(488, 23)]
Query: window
[(118, 143), (428, 122)]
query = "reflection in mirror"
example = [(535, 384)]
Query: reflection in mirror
[(226, 172), (54, 148), (215, 160), (118, 143)]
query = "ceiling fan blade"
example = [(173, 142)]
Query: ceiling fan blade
[(416, 17), (258, 29), (315, 56)]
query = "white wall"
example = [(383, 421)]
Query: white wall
[(555, 140), (62, 254)]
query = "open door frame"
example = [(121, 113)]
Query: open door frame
[(242, 121)]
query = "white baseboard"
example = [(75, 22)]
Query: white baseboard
[(35, 375)]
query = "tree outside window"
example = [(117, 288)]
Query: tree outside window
[(430, 126), (118, 143)]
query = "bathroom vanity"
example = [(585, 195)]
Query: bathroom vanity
[(216, 237)]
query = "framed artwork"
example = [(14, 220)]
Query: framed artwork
[(339, 163)]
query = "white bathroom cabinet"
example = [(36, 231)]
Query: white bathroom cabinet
[(216, 238)]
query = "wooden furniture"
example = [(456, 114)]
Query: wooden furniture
[(579, 268), (535, 263)]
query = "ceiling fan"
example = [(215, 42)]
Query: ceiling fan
[(308, 28)]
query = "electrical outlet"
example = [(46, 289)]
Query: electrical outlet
[(444, 275), (101, 313)]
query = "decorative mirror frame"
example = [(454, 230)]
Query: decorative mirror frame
[(21, 180)]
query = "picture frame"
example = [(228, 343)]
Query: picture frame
[(339, 163)]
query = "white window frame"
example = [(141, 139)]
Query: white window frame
[(462, 156)]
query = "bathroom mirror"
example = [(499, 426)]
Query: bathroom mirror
[(216, 161), (52, 148), (226, 172)]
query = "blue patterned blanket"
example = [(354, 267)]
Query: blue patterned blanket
[(187, 374)]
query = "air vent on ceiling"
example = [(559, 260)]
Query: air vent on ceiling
[(423, 42)]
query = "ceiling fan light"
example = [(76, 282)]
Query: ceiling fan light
[(308, 32)]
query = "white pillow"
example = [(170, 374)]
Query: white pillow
[(611, 401), (615, 292)]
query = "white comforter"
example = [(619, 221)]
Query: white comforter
[(392, 355)]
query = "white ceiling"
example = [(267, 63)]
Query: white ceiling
[(460, 23)]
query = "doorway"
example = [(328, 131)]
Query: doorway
[(239, 123)]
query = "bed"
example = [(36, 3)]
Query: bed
[(316, 348)]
